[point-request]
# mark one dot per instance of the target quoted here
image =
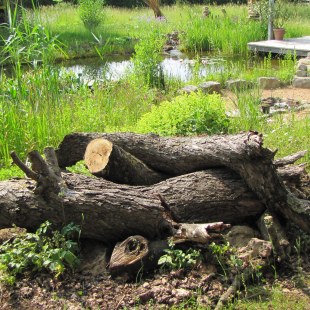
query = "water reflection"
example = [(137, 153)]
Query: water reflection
[(176, 65)]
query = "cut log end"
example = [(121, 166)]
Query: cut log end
[(97, 154)]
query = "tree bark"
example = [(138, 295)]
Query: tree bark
[(107, 160), (271, 230), (112, 212), (135, 254), (243, 153)]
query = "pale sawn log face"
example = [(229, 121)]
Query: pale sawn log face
[(97, 154), (109, 161)]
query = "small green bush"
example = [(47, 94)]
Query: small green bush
[(195, 113), (91, 13), (176, 259), (147, 59), (43, 250)]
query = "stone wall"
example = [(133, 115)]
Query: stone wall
[(302, 77)]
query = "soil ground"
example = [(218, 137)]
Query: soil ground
[(288, 93), (192, 290), (297, 94)]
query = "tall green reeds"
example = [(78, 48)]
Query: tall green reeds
[(147, 59), (221, 32), (28, 41)]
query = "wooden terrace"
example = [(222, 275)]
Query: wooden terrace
[(300, 46)]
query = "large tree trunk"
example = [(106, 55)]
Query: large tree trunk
[(112, 212), (243, 153)]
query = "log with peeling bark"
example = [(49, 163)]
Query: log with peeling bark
[(243, 153), (107, 160), (111, 212)]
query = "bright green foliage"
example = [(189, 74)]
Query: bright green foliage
[(226, 258), (43, 250), (227, 33), (91, 13), (28, 41), (179, 259), (195, 113), (250, 118), (147, 59), (269, 298)]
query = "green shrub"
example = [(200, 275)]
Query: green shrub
[(147, 59), (176, 259), (91, 13), (195, 113), (43, 250)]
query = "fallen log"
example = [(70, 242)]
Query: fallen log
[(242, 153), (174, 156), (107, 160), (112, 212)]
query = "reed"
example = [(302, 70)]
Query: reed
[(221, 32)]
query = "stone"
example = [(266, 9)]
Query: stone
[(269, 82), (301, 82), (301, 66), (26, 292), (233, 113), (240, 235), (181, 293), (210, 87), (188, 89), (304, 61), (281, 105), (238, 84), (10, 233), (301, 73), (146, 296), (256, 248)]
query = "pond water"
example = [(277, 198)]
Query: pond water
[(175, 65)]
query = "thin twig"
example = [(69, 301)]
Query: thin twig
[(289, 159)]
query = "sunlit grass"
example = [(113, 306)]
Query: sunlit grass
[(39, 107), (273, 298)]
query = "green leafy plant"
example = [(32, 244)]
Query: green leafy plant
[(91, 13), (45, 249), (280, 14), (179, 259), (147, 59), (27, 41), (220, 251), (190, 114)]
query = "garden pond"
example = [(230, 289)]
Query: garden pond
[(175, 65)]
